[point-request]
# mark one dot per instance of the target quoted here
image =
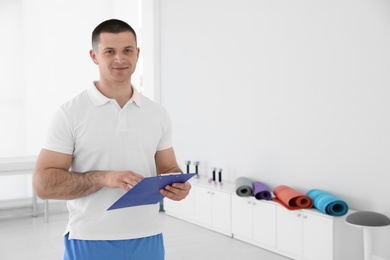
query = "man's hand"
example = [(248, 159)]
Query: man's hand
[(176, 191), (121, 179)]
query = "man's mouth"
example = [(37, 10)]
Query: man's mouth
[(120, 68)]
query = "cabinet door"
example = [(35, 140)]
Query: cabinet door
[(187, 207), (317, 237), (289, 230), (171, 207), (242, 216), (264, 223), (202, 205), (221, 211)]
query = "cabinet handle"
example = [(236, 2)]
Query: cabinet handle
[(298, 215), (254, 203), (304, 216), (249, 202)]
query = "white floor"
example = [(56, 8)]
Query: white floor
[(30, 238)]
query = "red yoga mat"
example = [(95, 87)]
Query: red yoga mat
[(291, 199)]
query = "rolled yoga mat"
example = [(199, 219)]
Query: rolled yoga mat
[(327, 203), (292, 199), (244, 187), (261, 191)]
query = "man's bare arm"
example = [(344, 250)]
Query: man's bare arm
[(53, 180), (166, 163)]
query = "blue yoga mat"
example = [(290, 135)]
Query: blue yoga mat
[(327, 203)]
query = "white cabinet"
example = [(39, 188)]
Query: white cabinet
[(207, 205), (304, 235), (264, 223), (242, 217), (254, 221), (186, 207), (183, 209), (212, 209), (171, 207), (202, 205)]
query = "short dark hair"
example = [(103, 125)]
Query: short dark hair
[(110, 26)]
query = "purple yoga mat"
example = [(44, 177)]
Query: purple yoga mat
[(261, 191)]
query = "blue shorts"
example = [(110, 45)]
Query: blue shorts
[(148, 248)]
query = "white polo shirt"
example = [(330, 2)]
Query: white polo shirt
[(102, 136)]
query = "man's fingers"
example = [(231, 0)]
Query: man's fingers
[(169, 194), (176, 191), (128, 181), (125, 186), (132, 179)]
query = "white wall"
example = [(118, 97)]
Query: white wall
[(11, 87), (12, 105), (150, 49), (45, 62), (57, 43), (285, 92)]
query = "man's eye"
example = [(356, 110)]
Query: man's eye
[(109, 52), (128, 50)]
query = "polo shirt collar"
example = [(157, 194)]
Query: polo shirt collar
[(136, 98), (99, 99)]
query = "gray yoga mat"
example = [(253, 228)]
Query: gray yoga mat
[(244, 187)]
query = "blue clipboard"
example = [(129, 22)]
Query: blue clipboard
[(147, 191)]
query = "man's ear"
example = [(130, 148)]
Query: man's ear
[(93, 56)]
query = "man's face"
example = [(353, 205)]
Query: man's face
[(117, 56)]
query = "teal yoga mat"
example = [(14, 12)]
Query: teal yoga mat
[(327, 203)]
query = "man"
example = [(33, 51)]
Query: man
[(99, 145)]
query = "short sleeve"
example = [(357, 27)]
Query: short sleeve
[(60, 134), (166, 138)]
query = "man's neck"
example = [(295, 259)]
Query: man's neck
[(121, 92)]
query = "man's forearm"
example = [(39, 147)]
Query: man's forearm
[(55, 183)]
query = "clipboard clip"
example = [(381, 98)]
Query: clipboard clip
[(168, 174)]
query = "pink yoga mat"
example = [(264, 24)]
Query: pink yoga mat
[(291, 199)]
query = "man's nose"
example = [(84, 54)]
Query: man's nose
[(119, 58)]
